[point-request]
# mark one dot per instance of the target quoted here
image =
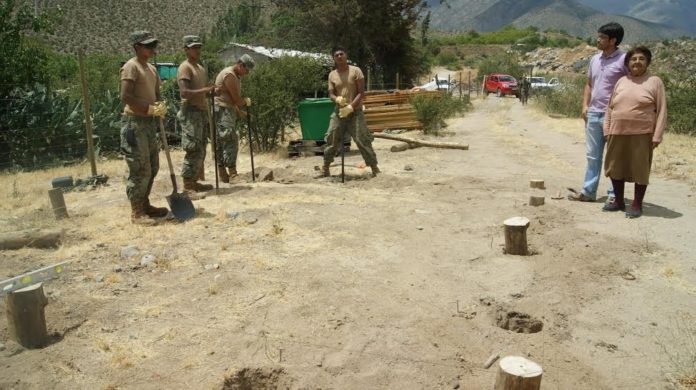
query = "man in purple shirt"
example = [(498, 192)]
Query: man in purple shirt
[(606, 68)]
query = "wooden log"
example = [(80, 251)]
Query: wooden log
[(537, 183), (429, 144), (33, 238), (516, 236), (518, 373), (536, 200), (490, 361), (403, 147), (58, 203), (26, 319)]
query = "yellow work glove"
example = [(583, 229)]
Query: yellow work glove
[(158, 109), (341, 101), (345, 111), (247, 101)]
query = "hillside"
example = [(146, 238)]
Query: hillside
[(673, 13), (569, 15), (104, 26)]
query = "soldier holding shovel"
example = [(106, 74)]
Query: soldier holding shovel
[(140, 93), (228, 104), (193, 115)]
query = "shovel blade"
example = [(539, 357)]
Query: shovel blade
[(181, 206)]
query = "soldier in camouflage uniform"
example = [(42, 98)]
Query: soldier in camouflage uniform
[(193, 115), (346, 89), (140, 92), (228, 104)]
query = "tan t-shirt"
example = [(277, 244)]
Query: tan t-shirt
[(146, 82), (345, 83), (228, 79), (197, 77)]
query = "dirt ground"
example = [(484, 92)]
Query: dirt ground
[(397, 282)]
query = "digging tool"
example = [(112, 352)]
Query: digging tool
[(213, 139), (251, 147), (343, 160), (180, 204)]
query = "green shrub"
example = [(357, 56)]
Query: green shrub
[(433, 110), (275, 88), (503, 63), (448, 59), (566, 100)]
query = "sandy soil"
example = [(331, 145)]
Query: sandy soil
[(393, 282)]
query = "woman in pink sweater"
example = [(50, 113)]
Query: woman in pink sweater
[(635, 121)]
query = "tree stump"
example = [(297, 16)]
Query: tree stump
[(58, 203), (518, 373), (537, 183), (516, 236), (536, 200), (26, 320)]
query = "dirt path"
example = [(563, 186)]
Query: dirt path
[(392, 282)]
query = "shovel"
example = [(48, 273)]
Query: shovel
[(180, 204), (251, 148)]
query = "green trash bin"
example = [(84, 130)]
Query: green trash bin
[(315, 115)]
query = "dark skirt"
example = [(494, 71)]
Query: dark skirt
[(629, 158)]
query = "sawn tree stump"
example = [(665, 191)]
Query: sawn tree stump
[(518, 373), (516, 236), (26, 319)]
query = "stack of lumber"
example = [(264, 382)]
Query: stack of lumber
[(391, 110)]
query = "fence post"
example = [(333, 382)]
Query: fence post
[(469, 88), (460, 86), (397, 81), (369, 77), (88, 118)]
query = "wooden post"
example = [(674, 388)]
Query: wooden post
[(397, 81), (88, 118), (516, 236), (536, 200), (58, 203), (26, 319), (369, 78), (469, 87), (518, 373), (537, 183), (460, 86), (483, 85)]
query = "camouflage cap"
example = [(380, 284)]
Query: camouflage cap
[(192, 40), (248, 62), (142, 37)]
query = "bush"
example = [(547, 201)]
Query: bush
[(433, 110), (504, 63), (275, 88), (448, 59), (566, 100)]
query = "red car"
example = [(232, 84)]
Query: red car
[(501, 84)]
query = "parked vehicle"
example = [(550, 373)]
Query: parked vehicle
[(538, 82), (440, 85), (501, 84)]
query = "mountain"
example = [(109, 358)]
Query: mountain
[(677, 14), (569, 15)]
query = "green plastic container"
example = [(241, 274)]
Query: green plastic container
[(315, 115)]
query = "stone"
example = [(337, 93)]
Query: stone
[(118, 268), (265, 174), (2, 347), (99, 278), (408, 167), (250, 220), (129, 251), (232, 214), (148, 260)]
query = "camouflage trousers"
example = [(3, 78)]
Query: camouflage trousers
[(356, 126), (227, 137), (140, 147), (194, 140)]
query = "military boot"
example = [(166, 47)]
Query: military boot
[(193, 185), (138, 215), (325, 171), (375, 170), (222, 173), (191, 189), (233, 171), (154, 212)]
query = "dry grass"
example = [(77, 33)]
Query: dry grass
[(682, 332)]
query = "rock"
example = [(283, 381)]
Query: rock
[(2, 347), (129, 251), (118, 268), (455, 385), (419, 227), (408, 167), (209, 267), (265, 174), (232, 214), (148, 260), (99, 278), (250, 220)]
